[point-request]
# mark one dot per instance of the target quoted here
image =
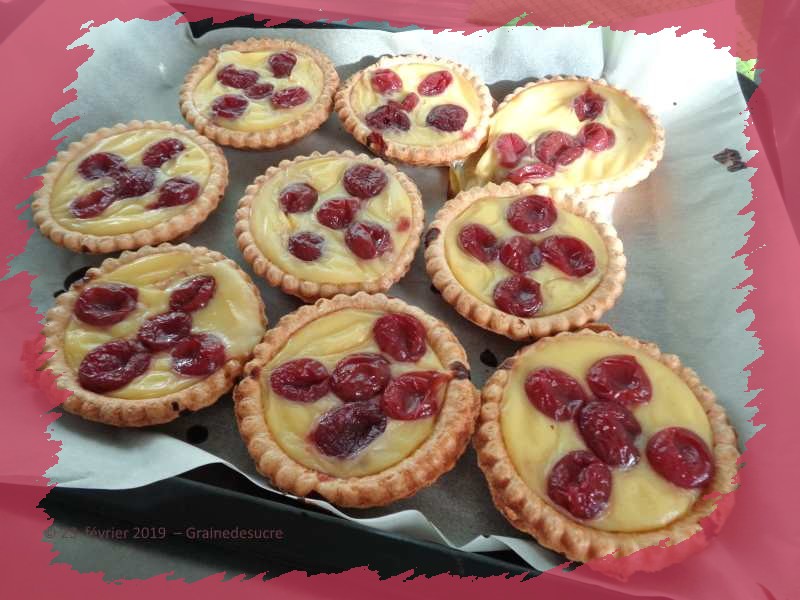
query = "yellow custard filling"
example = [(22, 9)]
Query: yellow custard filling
[(364, 99), (272, 227), (548, 107), (329, 339), (233, 314), (559, 291), (259, 115), (129, 214), (640, 498)]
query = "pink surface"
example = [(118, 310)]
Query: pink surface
[(754, 556)]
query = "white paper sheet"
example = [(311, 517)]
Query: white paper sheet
[(680, 229)]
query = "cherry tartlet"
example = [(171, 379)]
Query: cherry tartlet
[(332, 223), (152, 333), (524, 261), (362, 399), (128, 186), (259, 93), (596, 444), (416, 109)]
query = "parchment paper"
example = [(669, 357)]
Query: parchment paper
[(680, 229)]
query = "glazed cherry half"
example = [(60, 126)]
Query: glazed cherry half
[(348, 429), (555, 393), (360, 377), (113, 365), (681, 457), (414, 395), (609, 430), (105, 305), (301, 380), (621, 379), (580, 484), (401, 336)]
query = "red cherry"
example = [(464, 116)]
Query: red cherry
[(364, 181), (385, 81), (435, 83), (518, 296), (596, 137), (237, 78), (101, 164), (133, 182), (580, 484), (176, 191), (360, 377), (376, 143), (298, 198), (681, 457), (160, 152), (410, 102), (447, 117), (193, 294), (92, 204), (338, 213), (290, 97), (531, 173), (477, 241), (229, 106), (259, 91), (414, 395), (345, 431), (520, 254), (106, 304), (555, 393), (532, 214), (620, 379), (306, 245), (113, 365), (557, 148), (401, 336), (609, 430), (301, 380), (282, 64), (588, 105), (568, 254), (368, 240), (510, 147), (163, 331), (388, 116), (198, 355)]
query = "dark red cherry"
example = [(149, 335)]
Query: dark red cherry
[(345, 431), (555, 393), (435, 83), (176, 191), (681, 457), (580, 484), (532, 214), (385, 81), (198, 355), (518, 296), (557, 148), (136, 181), (237, 78), (162, 332), (414, 395), (368, 240), (477, 241), (510, 147), (596, 137), (588, 105), (447, 117), (609, 430), (92, 204), (290, 97), (338, 213), (401, 336), (298, 198), (301, 380), (388, 116), (106, 304), (306, 245), (113, 365), (520, 254), (360, 377), (568, 254), (410, 102), (364, 181), (101, 164), (282, 64), (193, 294), (531, 173), (229, 106), (259, 91), (160, 152), (621, 379)]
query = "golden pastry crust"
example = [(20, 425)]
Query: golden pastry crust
[(441, 155), (308, 121), (171, 229), (310, 290), (635, 175), (125, 412), (489, 317), (555, 529), (437, 455)]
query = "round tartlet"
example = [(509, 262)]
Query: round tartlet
[(151, 333), (381, 402), (416, 109), (596, 443), (130, 185), (524, 261), (259, 93), (332, 223), (575, 133)]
